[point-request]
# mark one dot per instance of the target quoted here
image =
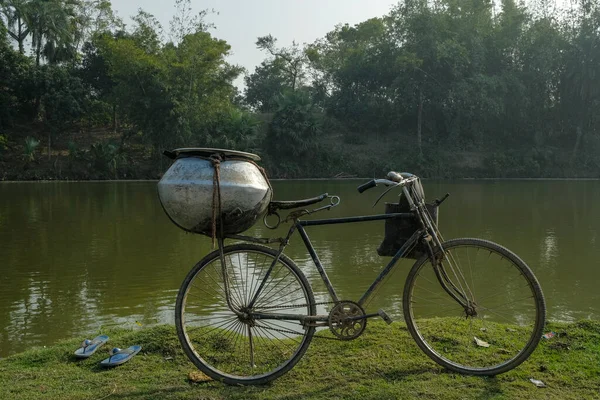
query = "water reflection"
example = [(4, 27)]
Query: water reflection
[(78, 256), (549, 252)]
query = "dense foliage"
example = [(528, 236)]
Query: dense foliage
[(442, 87)]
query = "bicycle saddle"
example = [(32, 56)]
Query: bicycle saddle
[(286, 205)]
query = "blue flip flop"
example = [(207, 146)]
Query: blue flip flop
[(120, 356), (89, 347)]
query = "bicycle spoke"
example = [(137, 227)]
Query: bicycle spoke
[(235, 286), (243, 294), (222, 326), (258, 281), (274, 299), (273, 340), (231, 298), (443, 295), (501, 291), (277, 326), (264, 293), (471, 273), (283, 305)]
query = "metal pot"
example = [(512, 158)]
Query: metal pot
[(186, 190)]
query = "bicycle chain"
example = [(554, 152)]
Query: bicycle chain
[(300, 305), (299, 333)]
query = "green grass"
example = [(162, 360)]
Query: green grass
[(384, 363)]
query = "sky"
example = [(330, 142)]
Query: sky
[(241, 22)]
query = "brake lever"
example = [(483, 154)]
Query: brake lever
[(384, 193), (335, 200)]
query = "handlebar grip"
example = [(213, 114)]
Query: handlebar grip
[(366, 186)]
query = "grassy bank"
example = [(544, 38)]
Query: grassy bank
[(384, 363)]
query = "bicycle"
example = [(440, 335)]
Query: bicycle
[(246, 314)]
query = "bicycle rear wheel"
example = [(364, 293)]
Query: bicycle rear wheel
[(504, 322), (225, 341)]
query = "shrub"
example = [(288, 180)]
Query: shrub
[(3, 143), (106, 157), (31, 145), (234, 129)]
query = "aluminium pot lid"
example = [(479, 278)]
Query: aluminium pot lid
[(207, 152)]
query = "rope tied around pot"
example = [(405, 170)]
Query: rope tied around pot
[(216, 160)]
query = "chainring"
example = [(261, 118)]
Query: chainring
[(342, 323)]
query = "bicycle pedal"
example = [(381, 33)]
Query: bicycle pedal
[(384, 316)]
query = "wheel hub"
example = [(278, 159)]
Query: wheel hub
[(245, 316)]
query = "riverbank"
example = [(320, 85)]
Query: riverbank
[(101, 154), (384, 363)]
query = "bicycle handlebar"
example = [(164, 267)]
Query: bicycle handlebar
[(366, 186), (393, 179)]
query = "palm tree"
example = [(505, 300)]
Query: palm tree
[(52, 29), (17, 15), (50, 23)]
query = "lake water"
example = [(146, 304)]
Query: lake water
[(76, 257)]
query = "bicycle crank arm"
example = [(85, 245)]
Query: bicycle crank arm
[(379, 313)]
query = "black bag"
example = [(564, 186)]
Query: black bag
[(398, 230)]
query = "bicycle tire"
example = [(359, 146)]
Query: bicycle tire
[(214, 349), (458, 336)]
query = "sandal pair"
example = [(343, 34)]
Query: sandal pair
[(117, 356)]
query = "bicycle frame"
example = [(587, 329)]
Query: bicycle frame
[(426, 230), (300, 225), (384, 272)]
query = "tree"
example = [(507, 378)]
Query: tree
[(535, 108), (185, 23), (201, 82), (147, 32), (358, 72), (138, 87), (268, 81), (14, 67), (233, 129), (291, 60), (17, 16), (171, 94), (95, 75), (290, 140), (63, 97), (93, 17), (51, 26), (580, 86)]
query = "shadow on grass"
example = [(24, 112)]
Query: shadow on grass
[(215, 390), (491, 388), (156, 394), (401, 374), (317, 393), (489, 384)]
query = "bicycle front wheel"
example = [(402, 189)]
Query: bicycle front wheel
[(218, 331), (502, 316)]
